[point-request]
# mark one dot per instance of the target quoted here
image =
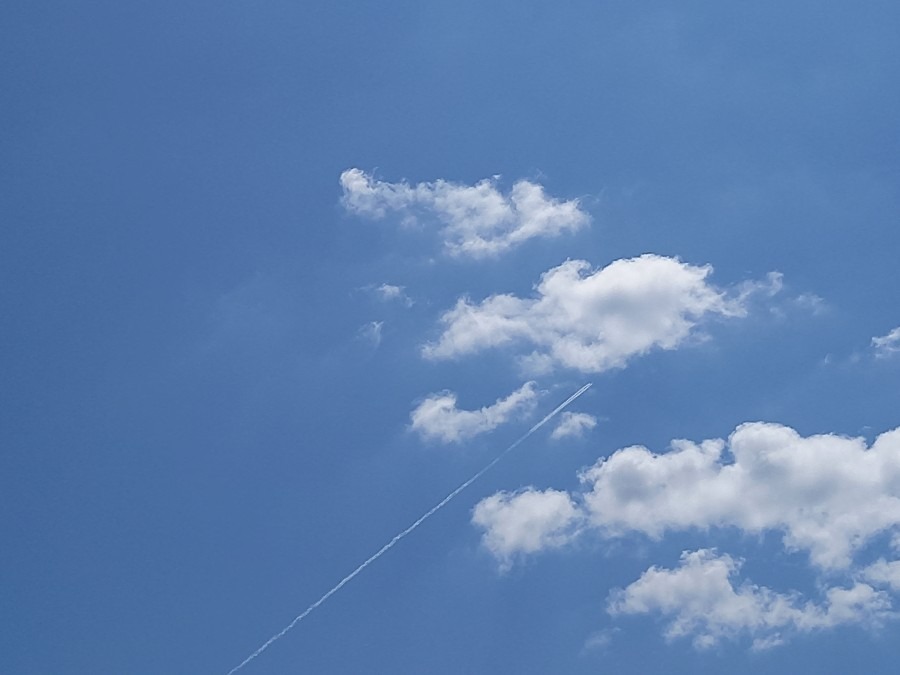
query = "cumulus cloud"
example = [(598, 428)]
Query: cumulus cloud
[(573, 424), (477, 221), (525, 521), (700, 600), (887, 345), (437, 417), (883, 573), (827, 495), (592, 320)]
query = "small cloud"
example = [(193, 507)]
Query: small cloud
[(524, 522), (762, 644), (392, 293), (573, 425), (371, 332), (599, 640), (812, 303), (887, 345), (768, 287), (437, 417)]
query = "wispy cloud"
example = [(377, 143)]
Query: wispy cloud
[(437, 417), (476, 221), (371, 332), (392, 293), (887, 345), (811, 302), (599, 640), (593, 320)]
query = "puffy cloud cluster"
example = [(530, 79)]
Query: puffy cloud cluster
[(476, 221), (828, 495), (699, 598), (592, 320), (437, 417)]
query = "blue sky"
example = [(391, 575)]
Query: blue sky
[(275, 279)]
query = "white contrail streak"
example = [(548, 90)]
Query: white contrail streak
[(384, 549)]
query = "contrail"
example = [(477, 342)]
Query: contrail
[(384, 549)]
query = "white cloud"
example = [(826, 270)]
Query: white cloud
[(887, 345), (573, 425), (525, 521), (593, 321), (477, 221), (828, 495), (599, 640), (437, 417), (770, 287), (371, 332), (392, 293), (700, 600), (884, 573), (811, 302)]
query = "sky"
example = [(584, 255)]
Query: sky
[(277, 278)]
